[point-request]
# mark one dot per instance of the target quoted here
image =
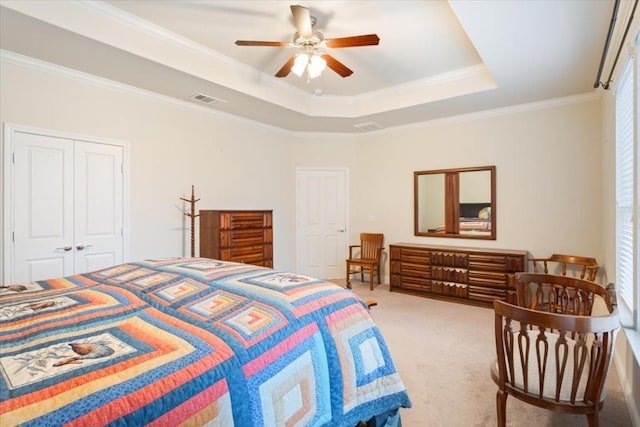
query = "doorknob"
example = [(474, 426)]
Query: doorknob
[(341, 230), (81, 247), (65, 248)]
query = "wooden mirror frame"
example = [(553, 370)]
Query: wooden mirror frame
[(452, 204)]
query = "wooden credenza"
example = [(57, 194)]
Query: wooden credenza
[(240, 236), (473, 276)]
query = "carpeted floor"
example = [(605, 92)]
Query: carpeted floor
[(443, 352)]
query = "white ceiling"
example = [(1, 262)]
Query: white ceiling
[(435, 58)]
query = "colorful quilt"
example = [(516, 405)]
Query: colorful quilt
[(192, 341)]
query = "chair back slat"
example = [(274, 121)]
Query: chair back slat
[(370, 246), (585, 267)]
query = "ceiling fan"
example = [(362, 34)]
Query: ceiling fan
[(312, 59)]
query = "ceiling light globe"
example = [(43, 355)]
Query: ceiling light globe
[(300, 64), (317, 64)]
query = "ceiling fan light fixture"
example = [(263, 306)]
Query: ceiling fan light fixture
[(317, 64), (311, 41), (300, 64)]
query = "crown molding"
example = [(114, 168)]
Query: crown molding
[(81, 77)]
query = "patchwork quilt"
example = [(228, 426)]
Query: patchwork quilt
[(192, 341)]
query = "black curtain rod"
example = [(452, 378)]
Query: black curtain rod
[(606, 85), (613, 67), (612, 25)]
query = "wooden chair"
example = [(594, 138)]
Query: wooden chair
[(368, 258), (554, 348), (586, 267)]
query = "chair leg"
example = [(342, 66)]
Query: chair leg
[(378, 270), (593, 420), (501, 404), (348, 283), (362, 274), (371, 279)]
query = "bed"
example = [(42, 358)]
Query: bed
[(473, 218), (193, 341)]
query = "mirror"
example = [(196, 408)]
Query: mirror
[(455, 203)]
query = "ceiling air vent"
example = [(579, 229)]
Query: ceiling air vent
[(368, 126), (209, 100)]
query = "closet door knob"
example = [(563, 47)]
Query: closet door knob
[(81, 247), (65, 248)]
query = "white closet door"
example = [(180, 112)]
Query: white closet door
[(98, 240), (68, 206), (43, 207)]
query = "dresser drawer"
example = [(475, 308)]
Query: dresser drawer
[(242, 220), (241, 237), (412, 283), (246, 254), (451, 289), (449, 274), (488, 278), (415, 256), (412, 270), (449, 259), (487, 262)]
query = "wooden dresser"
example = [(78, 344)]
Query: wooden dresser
[(241, 236), (473, 276)]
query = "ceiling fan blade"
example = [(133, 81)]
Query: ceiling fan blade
[(302, 20), (336, 65), (364, 40), (286, 68), (262, 43)]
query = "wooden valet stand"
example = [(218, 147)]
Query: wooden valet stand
[(192, 214)]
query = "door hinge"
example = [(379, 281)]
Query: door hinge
[(13, 158)]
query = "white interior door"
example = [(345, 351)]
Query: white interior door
[(43, 207), (321, 211), (98, 240), (65, 206)]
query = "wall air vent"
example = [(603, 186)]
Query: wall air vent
[(368, 126), (209, 100)]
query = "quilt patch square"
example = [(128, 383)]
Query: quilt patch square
[(154, 280), (178, 291), (367, 368), (212, 305), (211, 407), (279, 280), (253, 323), (292, 388), (59, 358), (114, 271)]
